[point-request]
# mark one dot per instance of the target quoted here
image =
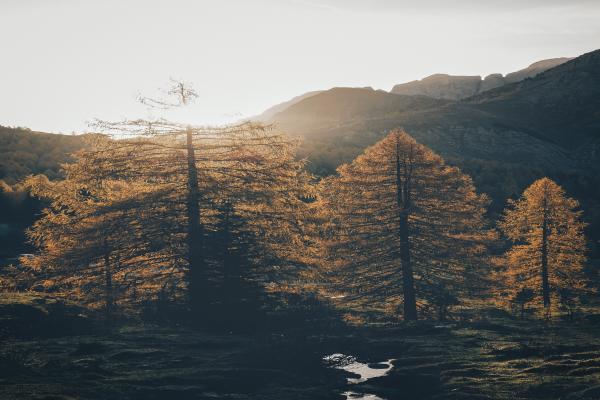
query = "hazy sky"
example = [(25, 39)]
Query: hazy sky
[(64, 62)]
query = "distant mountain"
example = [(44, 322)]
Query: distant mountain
[(452, 87), (441, 86), (350, 104), (541, 120), (270, 112)]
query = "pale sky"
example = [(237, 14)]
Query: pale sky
[(65, 62)]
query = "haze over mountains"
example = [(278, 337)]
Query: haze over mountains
[(271, 111), (547, 120), (506, 137), (442, 86), (547, 124), (528, 118)]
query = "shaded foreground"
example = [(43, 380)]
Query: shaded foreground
[(497, 358)]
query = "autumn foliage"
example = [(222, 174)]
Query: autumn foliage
[(548, 251), (119, 227), (156, 210), (407, 230)]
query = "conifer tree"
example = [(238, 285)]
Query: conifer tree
[(122, 209), (211, 205), (405, 228), (549, 244), (246, 169)]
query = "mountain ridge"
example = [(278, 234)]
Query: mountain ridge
[(475, 84), (457, 87), (537, 109), (271, 111)]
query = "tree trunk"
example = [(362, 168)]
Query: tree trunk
[(545, 283), (108, 290), (194, 238), (408, 287), (442, 313), (403, 203), (229, 267)]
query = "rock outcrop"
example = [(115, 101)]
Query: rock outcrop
[(492, 81), (453, 87)]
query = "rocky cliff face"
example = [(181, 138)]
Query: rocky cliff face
[(453, 87), (492, 82)]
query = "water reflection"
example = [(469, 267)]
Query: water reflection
[(362, 371), (360, 396)]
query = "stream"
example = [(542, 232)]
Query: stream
[(363, 371)]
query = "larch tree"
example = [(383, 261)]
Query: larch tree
[(240, 173), (549, 242), (225, 184), (404, 228), (170, 205)]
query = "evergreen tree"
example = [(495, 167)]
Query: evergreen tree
[(122, 209), (404, 228), (248, 166), (247, 171), (549, 244), (178, 206)]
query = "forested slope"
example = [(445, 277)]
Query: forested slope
[(24, 152)]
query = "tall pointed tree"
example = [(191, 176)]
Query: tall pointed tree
[(124, 207), (249, 166), (248, 162), (406, 226), (180, 206), (549, 243)]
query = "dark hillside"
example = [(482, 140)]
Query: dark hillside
[(561, 104), (24, 152), (343, 105)]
